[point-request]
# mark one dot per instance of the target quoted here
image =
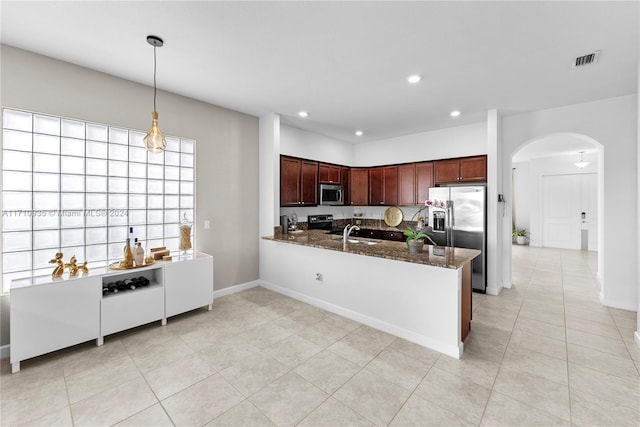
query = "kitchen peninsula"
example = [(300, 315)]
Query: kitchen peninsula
[(423, 298)]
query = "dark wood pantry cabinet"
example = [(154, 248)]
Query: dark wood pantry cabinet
[(298, 182)]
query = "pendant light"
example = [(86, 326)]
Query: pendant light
[(582, 164), (154, 140)]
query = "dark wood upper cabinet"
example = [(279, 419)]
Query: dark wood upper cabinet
[(345, 178), (359, 187), (424, 181), (329, 174), (376, 188), (473, 169), (466, 169), (390, 174), (404, 185), (289, 181), (383, 185), (414, 181), (447, 171), (407, 185), (298, 182), (309, 183)]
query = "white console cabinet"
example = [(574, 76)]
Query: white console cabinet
[(188, 284), (48, 315)]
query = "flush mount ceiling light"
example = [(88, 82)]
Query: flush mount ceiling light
[(154, 140), (454, 113), (303, 113), (582, 164), (414, 78), (359, 133)]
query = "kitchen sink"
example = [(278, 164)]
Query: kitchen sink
[(364, 242)]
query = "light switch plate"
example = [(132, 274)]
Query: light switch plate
[(207, 224)]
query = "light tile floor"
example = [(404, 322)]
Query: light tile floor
[(542, 353)]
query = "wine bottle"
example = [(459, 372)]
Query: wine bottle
[(128, 284)]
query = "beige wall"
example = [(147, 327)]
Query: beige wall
[(227, 148)]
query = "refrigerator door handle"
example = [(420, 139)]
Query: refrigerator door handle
[(451, 223)]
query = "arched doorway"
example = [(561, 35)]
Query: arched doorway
[(557, 203)]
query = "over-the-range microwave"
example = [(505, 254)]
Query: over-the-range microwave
[(331, 194)]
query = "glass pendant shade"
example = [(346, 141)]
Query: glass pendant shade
[(154, 140), (581, 164)]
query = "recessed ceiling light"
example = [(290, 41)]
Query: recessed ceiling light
[(454, 113), (358, 133), (303, 113), (414, 78)]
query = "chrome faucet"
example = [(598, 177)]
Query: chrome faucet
[(347, 231)]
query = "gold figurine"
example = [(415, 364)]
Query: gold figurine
[(72, 266), (57, 272)]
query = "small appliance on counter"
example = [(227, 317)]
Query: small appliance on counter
[(284, 224)]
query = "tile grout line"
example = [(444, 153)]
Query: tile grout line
[(484, 410)]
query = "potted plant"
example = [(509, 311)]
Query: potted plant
[(520, 234), (415, 240)]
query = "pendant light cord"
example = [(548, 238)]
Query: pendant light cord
[(154, 78)]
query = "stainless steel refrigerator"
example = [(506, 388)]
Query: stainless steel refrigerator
[(463, 224)]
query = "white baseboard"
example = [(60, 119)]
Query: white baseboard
[(237, 288), (507, 285), (623, 305), (491, 290), (4, 351), (636, 338), (453, 351)]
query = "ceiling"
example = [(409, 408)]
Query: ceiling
[(346, 63)]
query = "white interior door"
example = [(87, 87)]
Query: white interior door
[(561, 208), (564, 199)]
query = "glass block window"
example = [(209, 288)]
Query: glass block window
[(76, 187)]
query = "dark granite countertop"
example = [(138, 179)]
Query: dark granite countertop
[(453, 257)]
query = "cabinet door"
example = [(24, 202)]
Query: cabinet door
[(407, 185), (345, 177), (390, 186), (188, 284), (359, 187), (447, 171), (329, 174), (473, 169), (424, 181), (376, 186), (309, 183), (52, 316), (289, 181)]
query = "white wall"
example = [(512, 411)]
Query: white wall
[(227, 147), (308, 145), (613, 124), (458, 141), (522, 198)]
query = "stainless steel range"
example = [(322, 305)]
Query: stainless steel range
[(320, 222)]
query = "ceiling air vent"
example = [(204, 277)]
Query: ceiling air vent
[(584, 60)]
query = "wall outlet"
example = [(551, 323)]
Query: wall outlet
[(207, 224), (319, 277)]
